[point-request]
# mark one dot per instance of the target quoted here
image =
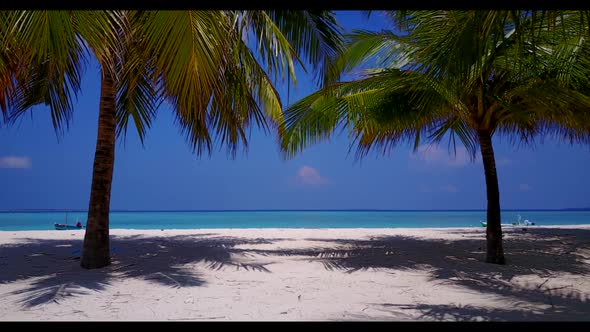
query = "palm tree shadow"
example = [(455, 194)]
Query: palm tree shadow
[(545, 253), (453, 312), (54, 273)]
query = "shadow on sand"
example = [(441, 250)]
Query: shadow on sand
[(546, 253), (54, 265)]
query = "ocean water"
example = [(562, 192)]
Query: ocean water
[(17, 221)]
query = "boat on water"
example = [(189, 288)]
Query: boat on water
[(61, 227), (65, 226), (517, 223)]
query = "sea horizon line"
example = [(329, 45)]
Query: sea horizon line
[(298, 210)]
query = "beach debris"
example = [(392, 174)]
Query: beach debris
[(549, 297), (541, 285), (190, 300), (556, 288), (299, 297)]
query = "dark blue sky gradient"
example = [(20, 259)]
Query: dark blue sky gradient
[(165, 175)]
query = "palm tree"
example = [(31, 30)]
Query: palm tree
[(197, 61), (457, 74)]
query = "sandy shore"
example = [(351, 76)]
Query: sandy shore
[(298, 274)]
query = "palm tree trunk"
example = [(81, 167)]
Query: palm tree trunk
[(495, 251), (96, 253)]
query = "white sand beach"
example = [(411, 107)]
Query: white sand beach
[(298, 274)]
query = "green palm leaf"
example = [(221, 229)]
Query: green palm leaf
[(465, 74)]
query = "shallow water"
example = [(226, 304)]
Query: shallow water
[(12, 221)]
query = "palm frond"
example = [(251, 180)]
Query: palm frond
[(518, 73), (216, 85), (138, 96), (315, 35), (56, 58), (379, 112), (276, 52), (190, 55), (384, 48)]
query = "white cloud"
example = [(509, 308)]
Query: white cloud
[(15, 162), (310, 176), (450, 188), (525, 187), (434, 155)]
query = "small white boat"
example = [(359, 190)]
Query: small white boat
[(517, 223), (65, 226), (484, 224), (62, 227)]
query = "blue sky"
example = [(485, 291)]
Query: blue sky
[(38, 171)]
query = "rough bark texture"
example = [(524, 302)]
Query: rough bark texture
[(495, 251), (96, 253)]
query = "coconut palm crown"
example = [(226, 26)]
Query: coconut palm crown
[(199, 62), (461, 75)]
